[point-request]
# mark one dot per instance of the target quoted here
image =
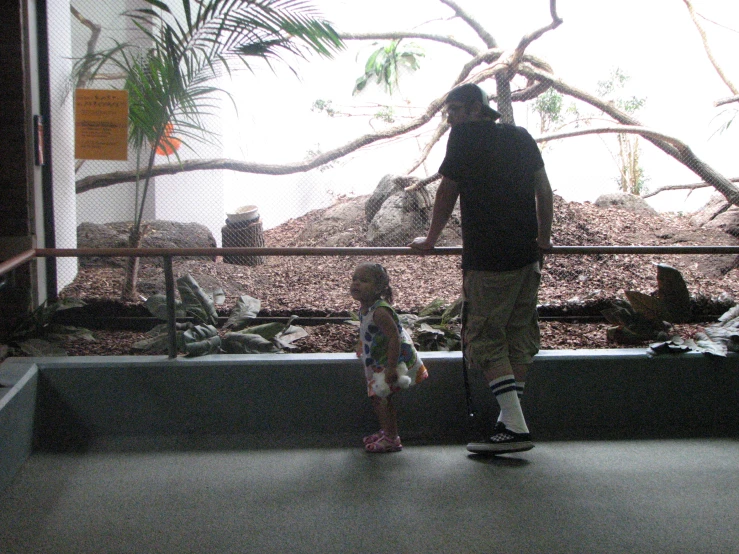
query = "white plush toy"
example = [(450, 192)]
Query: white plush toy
[(382, 389)]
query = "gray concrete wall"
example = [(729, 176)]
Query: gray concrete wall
[(17, 406), (255, 401)]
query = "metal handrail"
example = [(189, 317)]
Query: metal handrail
[(360, 251), (168, 253), (16, 261)]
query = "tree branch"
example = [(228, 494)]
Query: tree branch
[(619, 129), (486, 37), (683, 154), (707, 48), (528, 39), (95, 31), (107, 179), (692, 186), (438, 133), (723, 101), (397, 35)]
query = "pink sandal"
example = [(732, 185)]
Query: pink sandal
[(373, 437), (383, 445)]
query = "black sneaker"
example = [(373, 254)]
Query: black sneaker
[(503, 441)]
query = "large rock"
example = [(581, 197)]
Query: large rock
[(718, 214), (727, 221), (393, 224), (157, 234), (389, 185), (340, 225), (405, 215), (624, 201)]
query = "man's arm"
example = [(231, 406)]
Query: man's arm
[(446, 198), (544, 208)]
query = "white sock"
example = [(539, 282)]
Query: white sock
[(505, 391), (520, 385)]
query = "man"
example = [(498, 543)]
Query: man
[(506, 204)]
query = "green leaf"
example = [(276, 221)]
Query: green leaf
[(452, 311), (676, 345), (265, 330), (649, 306), (219, 297), (618, 315), (201, 340), (67, 331), (673, 293), (408, 321), (196, 301), (289, 336), (727, 337), (239, 343), (710, 345), (157, 306), (730, 317), (41, 348), (432, 308), (246, 308), (155, 344), (67, 303)]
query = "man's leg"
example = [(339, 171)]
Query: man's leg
[(491, 298), (520, 371), (522, 330), (502, 382)]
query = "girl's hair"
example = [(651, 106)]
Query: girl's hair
[(382, 279)]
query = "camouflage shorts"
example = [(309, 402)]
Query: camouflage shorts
[(500, 316)]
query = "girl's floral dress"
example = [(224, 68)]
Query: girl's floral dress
[(374, 349)]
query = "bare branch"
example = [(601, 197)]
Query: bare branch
[(95, 30), (619, 129), (471, 50), (423, 182), (107, 179), (679, 151), (723, 101), (438, 133), (691, 186), (84, 78), (528, 39), (707, 48), (486, 37)]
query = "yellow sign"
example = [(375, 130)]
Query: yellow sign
[(101, 124)]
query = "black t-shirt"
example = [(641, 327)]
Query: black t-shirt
[(493, 165)]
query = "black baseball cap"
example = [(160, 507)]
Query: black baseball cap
[(470, 92)]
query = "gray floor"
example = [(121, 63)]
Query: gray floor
[(585, 497)]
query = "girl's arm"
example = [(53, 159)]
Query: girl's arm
[(387, 325)]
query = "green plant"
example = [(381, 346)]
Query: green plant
[(384, 65), (202, 337), (194, 339), (36, 334), (631, 174), (187, 44), (717, 339), (644, 317), (446, 335)]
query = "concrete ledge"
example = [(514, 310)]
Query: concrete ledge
[(254, 401), (17, 406)]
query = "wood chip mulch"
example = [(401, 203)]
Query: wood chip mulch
[(318, 286)]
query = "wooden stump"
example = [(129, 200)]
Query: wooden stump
[(243, 233)]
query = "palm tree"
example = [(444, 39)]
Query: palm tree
[(188, 43)]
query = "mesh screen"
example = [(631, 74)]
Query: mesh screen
[(260, 180)]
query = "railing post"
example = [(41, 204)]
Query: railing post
[(171, 313)]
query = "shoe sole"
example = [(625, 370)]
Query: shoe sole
[(503, 448), (385, 450)]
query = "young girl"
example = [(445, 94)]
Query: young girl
[(385, 346)]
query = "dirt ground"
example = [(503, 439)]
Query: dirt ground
[(572, 285)]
